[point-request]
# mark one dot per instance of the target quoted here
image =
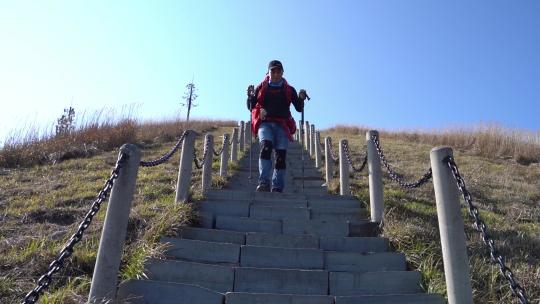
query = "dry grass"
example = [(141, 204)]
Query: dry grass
[(491, 141), (29, 147)]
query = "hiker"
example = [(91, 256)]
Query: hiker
[(272, 121)]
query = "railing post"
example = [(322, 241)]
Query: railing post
[(306, 135), (234, 145), (312, 141), (113, 235), (186, 167), (328, 161), (207, 162), (343, 170), (317, 148), (376, 201), (454, 248), (224, 165), (242, 135)]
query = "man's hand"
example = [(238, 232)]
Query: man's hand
[(302, 94), (262, 114), (250, 91)]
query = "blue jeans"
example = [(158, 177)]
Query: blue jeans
[(273, 132)]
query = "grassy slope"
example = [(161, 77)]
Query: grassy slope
[(40, 207), (506, 193), (38, 202)]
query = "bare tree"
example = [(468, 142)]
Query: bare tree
[(189, 97)]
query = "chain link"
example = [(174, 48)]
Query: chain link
[(481, 227), (46, 279), (165, 157), (349, 159), (334, 156), (397, 177), (225, 141), (200, 162)]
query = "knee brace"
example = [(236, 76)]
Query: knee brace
[(266, 149), (281, 155)]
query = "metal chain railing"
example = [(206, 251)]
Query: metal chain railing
[(165, 157), (397, 177), (481, 227), (334, 156), (46, 279), (225, 141), (349, 158), (199, 162)]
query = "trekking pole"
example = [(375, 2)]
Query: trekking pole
[(250, 139), (302, 135)]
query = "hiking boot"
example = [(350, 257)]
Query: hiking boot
[(277, 190), (263, 188)]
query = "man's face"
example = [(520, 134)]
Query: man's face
[(276, 74)]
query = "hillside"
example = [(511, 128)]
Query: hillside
[(42, 205)]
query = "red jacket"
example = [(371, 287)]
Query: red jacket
[(287, 123)]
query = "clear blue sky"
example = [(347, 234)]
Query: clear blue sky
[(385, 64)]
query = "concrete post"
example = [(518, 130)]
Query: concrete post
[(328, 161), (113, 235), (312, 141), (344, 186), (376, 201), (306, 135), (186, 166), (224, 165), (207, 162), (234, 145), (317, 148), (242, 135), (454, 248)]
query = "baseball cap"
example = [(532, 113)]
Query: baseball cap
[(275, 64)]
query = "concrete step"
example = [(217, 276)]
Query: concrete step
[(204, 219), (279, 213), (393, 299), (334, 202), (246, 224), (371, 283), (280, 202), (281, 281), (147, 291), (284, 258), (212, 235), (364, 262), (224, 207), (339, 214), (316, 227), (268, 298), (282, 240), (364, 229), (354, 244), (202, 251), (310, 183), (214, 277)]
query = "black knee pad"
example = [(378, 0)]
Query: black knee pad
[(266, 149), (281, 155)]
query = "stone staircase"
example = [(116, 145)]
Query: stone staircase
[(300, 246)]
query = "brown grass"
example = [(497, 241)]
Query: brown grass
[(491, 141), (27, 148)]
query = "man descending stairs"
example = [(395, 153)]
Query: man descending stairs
[(297, 247)]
